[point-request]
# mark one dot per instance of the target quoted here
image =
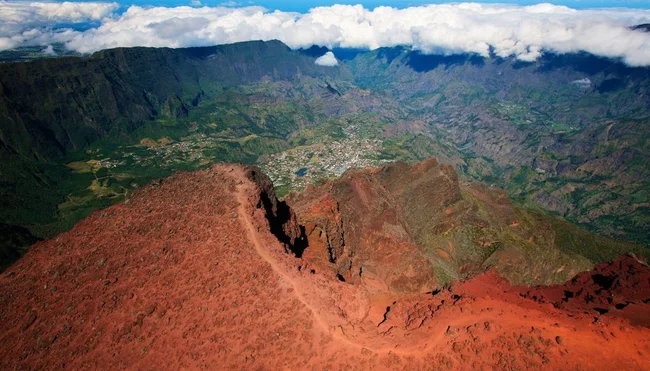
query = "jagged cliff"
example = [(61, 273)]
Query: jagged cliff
[(406, 224)]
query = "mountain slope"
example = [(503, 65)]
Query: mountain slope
[(567, 133), (200, 271), (50, 107), (403, 224), (77, 134)]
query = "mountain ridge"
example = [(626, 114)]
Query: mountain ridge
[(126, 86), (188, 272)]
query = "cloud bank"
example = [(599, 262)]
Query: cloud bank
[(327, 60), (36, 23), (524, 32)]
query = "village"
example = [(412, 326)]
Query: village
[(295, 168)]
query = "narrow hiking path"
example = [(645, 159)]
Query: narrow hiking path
[(350, 336), (244, 212)]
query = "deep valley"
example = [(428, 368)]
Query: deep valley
[(566, 134)]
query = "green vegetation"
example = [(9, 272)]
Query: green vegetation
[(30, 53), (99, 127), (570, 238), (109, 169)]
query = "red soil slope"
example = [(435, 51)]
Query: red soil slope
[(414, 227), (187, 275)]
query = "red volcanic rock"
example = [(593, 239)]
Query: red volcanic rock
[(620, 288), (207, 270), (355, 228), (412, 228)]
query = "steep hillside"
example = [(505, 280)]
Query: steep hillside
[(568, 132), (49, 107), (392, 222), (209, 270), (77, 134)]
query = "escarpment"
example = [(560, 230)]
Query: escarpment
[(413, 227)]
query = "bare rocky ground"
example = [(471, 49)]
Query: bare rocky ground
[(187, 274)]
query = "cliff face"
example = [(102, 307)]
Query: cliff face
[(413, 225), (356, 232), (49, 107), (282, 221)]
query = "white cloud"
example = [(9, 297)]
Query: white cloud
[(504, 30), (32, 23), (582, 83), (51, 12), (327, 60), (49, 50)]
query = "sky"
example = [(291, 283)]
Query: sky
[(524, 30), (304, 6)]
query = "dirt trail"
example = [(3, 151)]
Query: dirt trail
[(187, 275), (393, 339), (244, 212)]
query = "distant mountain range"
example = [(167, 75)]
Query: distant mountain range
[(567, 133), (642, 27), (50, 107)]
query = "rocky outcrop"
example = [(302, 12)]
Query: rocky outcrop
[(620, 288), (281, 219), (416, 226), (356, 230)]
